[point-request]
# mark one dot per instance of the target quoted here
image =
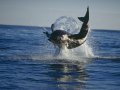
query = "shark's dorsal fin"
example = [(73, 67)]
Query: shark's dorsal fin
[(52, 27)]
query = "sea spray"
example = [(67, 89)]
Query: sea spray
[(81, 54), (71, 26), (88, 51)]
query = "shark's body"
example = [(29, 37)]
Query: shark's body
[(64, 39)]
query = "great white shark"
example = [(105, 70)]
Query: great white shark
[(63, 39)]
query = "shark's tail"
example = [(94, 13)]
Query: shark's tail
[(80, 38), (85, 19)]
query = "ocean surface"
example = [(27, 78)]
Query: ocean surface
[(28, 61)]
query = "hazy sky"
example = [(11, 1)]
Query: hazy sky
[(104, 14)]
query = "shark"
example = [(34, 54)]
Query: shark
[(63, 38)]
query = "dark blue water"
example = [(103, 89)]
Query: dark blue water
[(27, 62)]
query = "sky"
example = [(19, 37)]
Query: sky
[(104, 14)]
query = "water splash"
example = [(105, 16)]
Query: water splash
[(67, 24), (84, 51), (70, 25)]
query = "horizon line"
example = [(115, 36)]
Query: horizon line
[(49, 27)]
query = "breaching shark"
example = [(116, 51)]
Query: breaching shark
[(63, 38)]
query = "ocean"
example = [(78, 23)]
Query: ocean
[(28, 61)]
